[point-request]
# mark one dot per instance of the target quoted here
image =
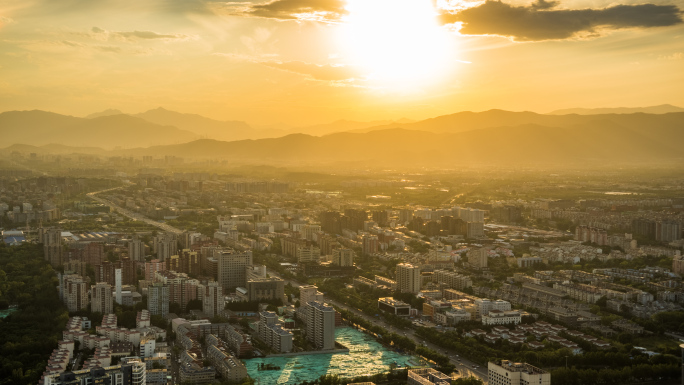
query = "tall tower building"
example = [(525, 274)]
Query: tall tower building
[(320, 325), (370, 244), (232, 268), (75, 293), (408, 278), (158, 299), (52, 246), (117, 283), (136, 250), (165, 245), (101, 298), (213, 301)]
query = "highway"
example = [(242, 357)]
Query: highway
[(465, 367), (131, 214)]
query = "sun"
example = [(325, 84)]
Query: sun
[(396, 43)]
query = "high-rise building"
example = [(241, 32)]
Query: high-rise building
[(213, 301), (165, 245), (52, 246), (380, 217), (343, 257), (408, 278), (117, 285), (232, 266), (320, 325), (152, 267), (516, 373), (101, 298), (478, 258), (74, 292), (273, 334), (136, 250), (475, 230), (370, 244), (158, 299), (668, 231)]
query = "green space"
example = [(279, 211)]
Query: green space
[(30, 333)]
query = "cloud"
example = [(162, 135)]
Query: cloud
[(320, 10), (139, 35), (316, 71), (674, 56), (542, 21)]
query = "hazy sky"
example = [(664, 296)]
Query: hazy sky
[(311, 61)]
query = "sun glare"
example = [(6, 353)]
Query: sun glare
[(397, 43)]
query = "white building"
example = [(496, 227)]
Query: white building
[(320, 325), (516, 373), (101, 298), (408, 278)]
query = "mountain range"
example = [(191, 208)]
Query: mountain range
[(492, 137)]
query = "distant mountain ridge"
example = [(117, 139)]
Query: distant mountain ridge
[(661, 109), (40, 128), (495, 136)]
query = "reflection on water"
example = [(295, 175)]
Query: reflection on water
[(366, 357)]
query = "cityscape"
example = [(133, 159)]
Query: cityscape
[(336, 192)]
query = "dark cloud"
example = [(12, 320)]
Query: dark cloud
[(315, 71), (539, 21), (289, 9)]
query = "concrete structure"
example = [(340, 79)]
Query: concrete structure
[(101, 298), (158, 299), (451, 279), (343, 257), (273, 334), (228, 366), (427, 376), (117, 285), (232, 267), (499, 317), (408, 278), (478, 258), (74, 292), (52, 246), (265, 289), (213, 301), (515, 373), (136, 250), (396, 307), (320, 325)]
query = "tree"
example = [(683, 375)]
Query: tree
[(467, 381)]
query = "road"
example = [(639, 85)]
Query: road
[(464, 366), (131, 214)]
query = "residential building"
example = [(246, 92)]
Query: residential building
[(232, 267), (320, 325), (343, 257), (74, 292), (478, 258), (273, 334), (101, 298), (158, 299), (408, 278), (213, 301)]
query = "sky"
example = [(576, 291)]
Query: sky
[(303, 62)]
